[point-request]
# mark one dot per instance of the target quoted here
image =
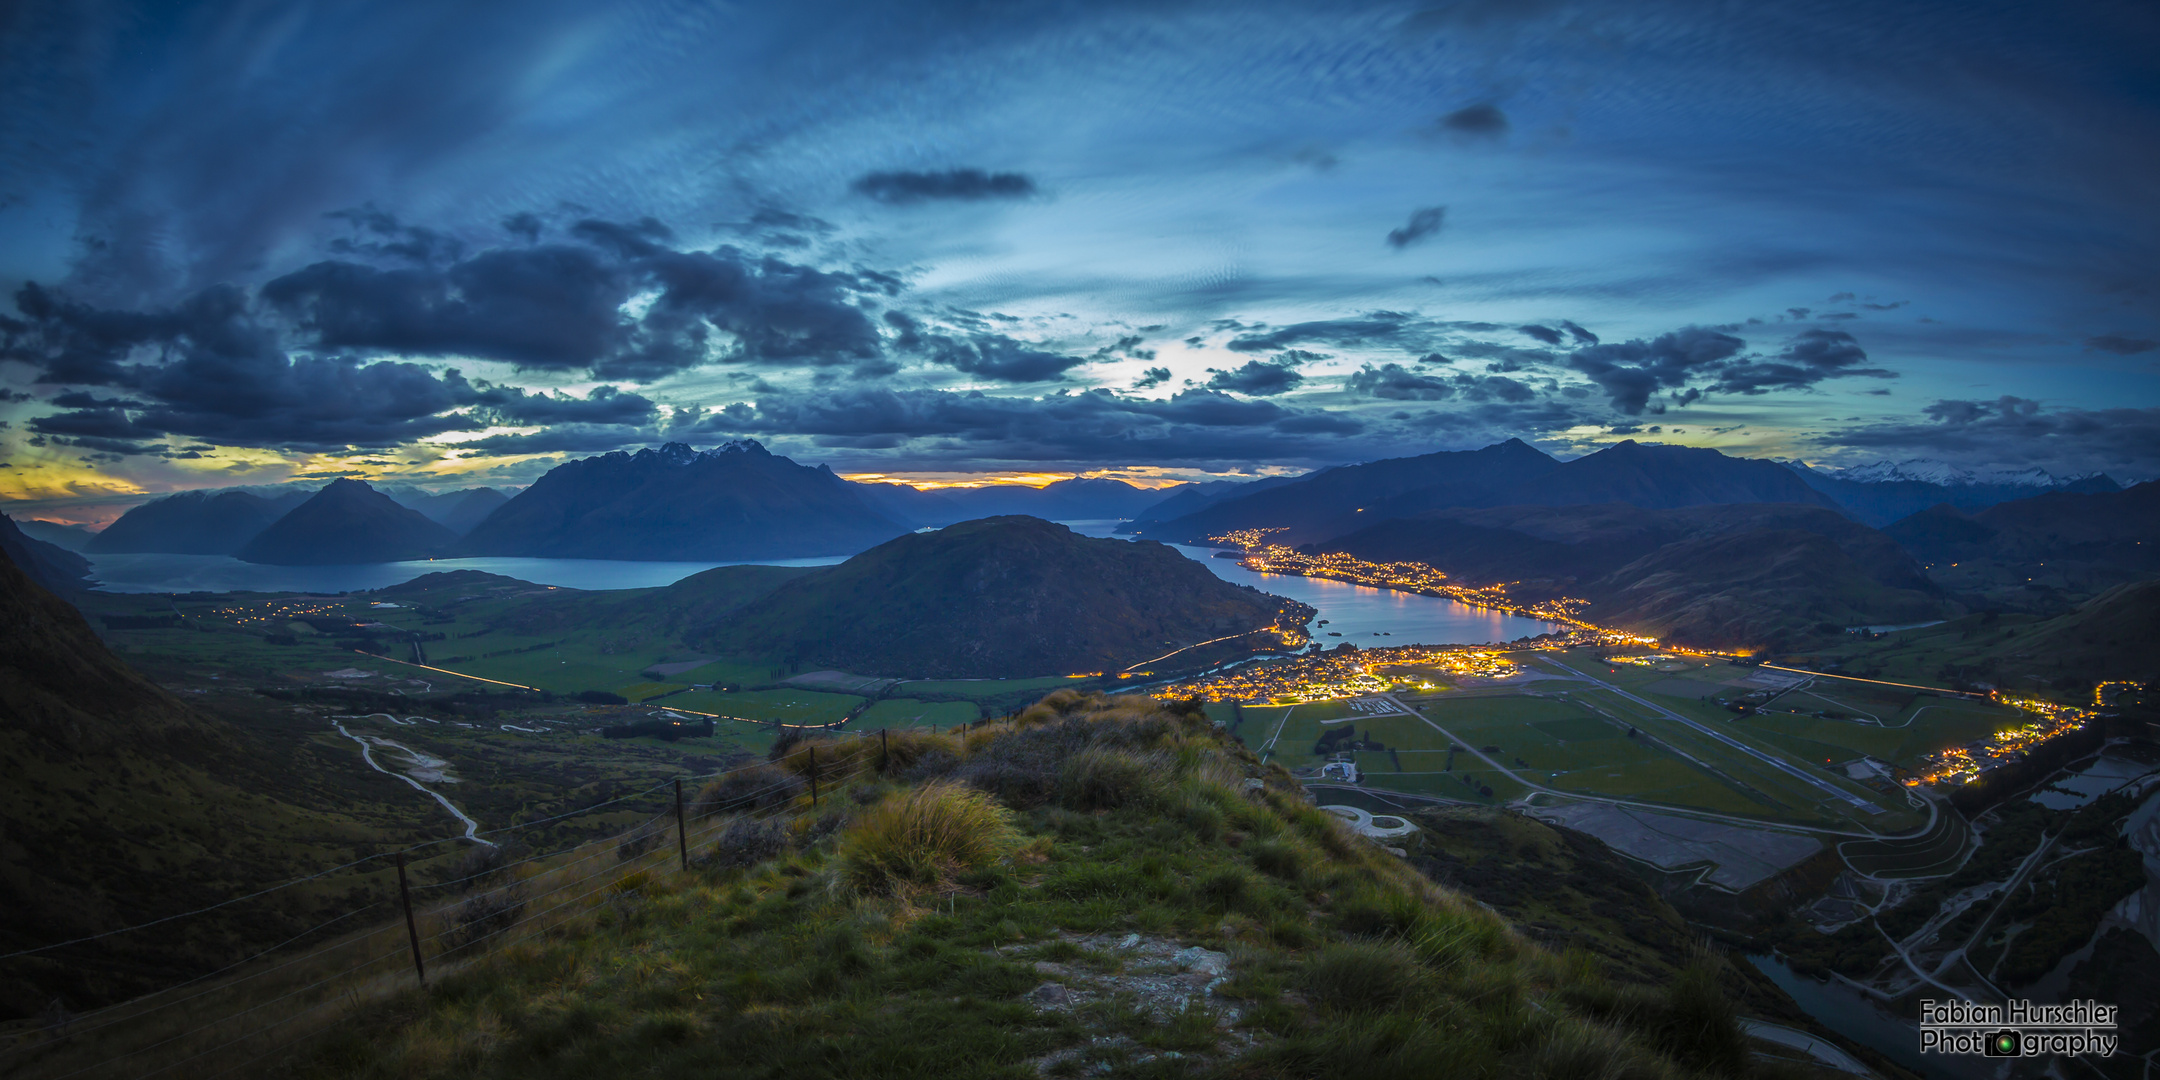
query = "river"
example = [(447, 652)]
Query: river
[(1361, 615)]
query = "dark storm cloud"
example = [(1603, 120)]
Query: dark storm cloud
[(1379, 328), (995, 356), (1481, 121), (512, 407), (965, 185), (1095, 425), (2121, 345), (1582, 336), (1397, 383), (562, 439), (1259, 378), (1545, 334), (1630, 372), (1423, 223), (1152, 378), (2018, 431), (559, 307), (1808, 359)]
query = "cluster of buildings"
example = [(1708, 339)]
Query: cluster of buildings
[(1341, 673), (1416, 577), (1964, 764)]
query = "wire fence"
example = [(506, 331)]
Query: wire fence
[(286, 1000)]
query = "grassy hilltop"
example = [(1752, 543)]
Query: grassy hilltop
[(1095, 887)]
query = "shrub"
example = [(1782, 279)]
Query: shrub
[(924, 837), (1102, 779), (1375, 912), (640, 840), (1361, 977), (1696, 1023), (759, 787), (485, 915), (745, 842)]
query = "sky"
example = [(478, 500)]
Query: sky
[(456, 244)]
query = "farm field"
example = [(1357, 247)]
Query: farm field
[(910, 712)]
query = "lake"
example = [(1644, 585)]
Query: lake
[(1362, 615)]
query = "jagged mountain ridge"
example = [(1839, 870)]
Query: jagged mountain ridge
[(1884, 493), (1001, 597), (735, 502)]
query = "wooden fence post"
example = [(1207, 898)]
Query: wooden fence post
[(813, 776), (682, 831), (884, 738), (412, 929)]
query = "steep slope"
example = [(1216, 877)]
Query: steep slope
[(997, 598), (1095, 888), (50, 565), (1332, 501), (912, 507), (120, 804), (2115, 635), (2041, 552), (1570, 544), (194, 523), (1755, 588), (1729, 576), (734, 502), (346, 522)]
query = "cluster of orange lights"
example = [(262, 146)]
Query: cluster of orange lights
[(1267, 558), (1965, 764), (1340, 674)]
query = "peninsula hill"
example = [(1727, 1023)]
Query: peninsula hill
[(1003, 597)]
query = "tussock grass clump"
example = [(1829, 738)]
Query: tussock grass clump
[(923, 838), (1362, 976), (1099, 778), (745, 842), (759, 787)]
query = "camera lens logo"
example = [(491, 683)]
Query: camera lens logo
[(2005, 1044)]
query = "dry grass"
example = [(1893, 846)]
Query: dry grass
[(923, 838)]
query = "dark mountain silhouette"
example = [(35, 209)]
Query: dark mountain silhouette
[(1000, 597), (50, 565), (1066, 500), (2116, 528), (1679, 573), (1338, 500), (911, 507), (346, 522), (58, 534), (2110, 636), (1881, 502), (195, 523), (457, 511), (734, 502), (1193, 498), (1341, 500)]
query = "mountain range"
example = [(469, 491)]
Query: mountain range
[(346, 522), (1731, 575), (735, 502), (1513, 473), (1000, 597), (50, 565), (1883, 492)]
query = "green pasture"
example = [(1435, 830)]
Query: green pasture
[(1662, 780), (909, 712)]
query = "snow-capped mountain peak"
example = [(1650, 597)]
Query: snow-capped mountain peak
[(1928, 470)]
